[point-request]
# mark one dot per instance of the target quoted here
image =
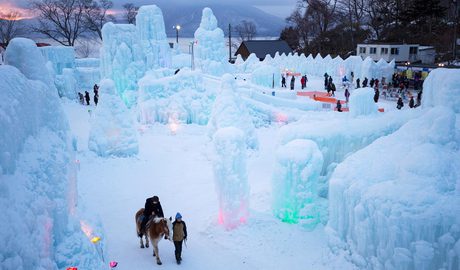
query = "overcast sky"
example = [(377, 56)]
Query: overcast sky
[(280, 8)]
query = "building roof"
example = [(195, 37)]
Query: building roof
[(387, 43), (263, 47)]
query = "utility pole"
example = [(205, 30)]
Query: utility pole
[(455, 2), (229, 43)]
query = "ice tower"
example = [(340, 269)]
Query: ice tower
[(231, 177), (297, 170)]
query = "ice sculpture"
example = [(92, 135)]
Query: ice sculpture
[(267, 76), (442, 88), (228, 111), (295, 183), (231, 177), (24, 55), (113, 131), (396, 203), (362, 102), (210, 45), (37, 172), (180, 98)]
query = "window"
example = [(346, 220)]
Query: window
[(394, 51), (362, 49), (373, 50), (384, 51), (413, 50)]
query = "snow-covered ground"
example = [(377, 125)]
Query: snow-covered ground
[(178, 169)]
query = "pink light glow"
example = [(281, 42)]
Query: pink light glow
[(87, 230), (281, 118)]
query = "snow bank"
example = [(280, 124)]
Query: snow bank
[(181, 98), (228, 111), (295, 178), (37, 175), (362, 102), (396, 203), (231, 177), (113, 131)]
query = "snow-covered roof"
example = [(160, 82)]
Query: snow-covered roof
[(263, 47)]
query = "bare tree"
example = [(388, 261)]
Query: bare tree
[(130, 12), (96, 15), (246, 30), (61, 20), (10, 26)]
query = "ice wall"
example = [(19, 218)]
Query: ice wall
[(210, 47), (113, 131), (60, 56), (180, 98), (231, 177), (39, 228), (362, 102), (87, 72), (396, 203), (295, 183), (266, 76), (228, 111)]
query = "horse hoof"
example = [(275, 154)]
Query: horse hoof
[(159, 263), (147, 246), (142, 246)]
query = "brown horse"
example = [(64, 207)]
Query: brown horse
[(155, 229), (140, 232)]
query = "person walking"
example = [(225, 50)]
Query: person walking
[(302, 82), (87, 98), (376, 95), (326, 81), (411, 102), (358, 85), (347, 95), (400, 103), (339, 106), (179, 235), (333, 89), (96, 99), (82, 98), (365, 82), (283, 81), (292, 82)]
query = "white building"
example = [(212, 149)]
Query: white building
[(398, 52)]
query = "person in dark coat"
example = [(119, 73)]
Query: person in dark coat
[(347, 95), (376, 95), (96, 99), (400, 104), (358, 85), (152, 207), (292, 82), (96, 89), (372, 82), (302, 82), (419, 99), (411, 102), (365, 82), (339, 106), (283, 81), (87, 98), (376, 83), (326, 81), (330, 79), (333, 89), (179, 235), (82, 98)]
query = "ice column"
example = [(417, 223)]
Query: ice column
[(297, 170), (231, 177), (362, 102), (113, 131)]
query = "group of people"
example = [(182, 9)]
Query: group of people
[(153, 208), (303, 81), (86, 98), (412, 104), (329, 85)]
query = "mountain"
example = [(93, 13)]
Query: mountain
[(187, 14)]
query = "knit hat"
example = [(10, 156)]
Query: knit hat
[(178, 215)]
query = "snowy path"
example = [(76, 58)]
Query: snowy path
[(177, 168)]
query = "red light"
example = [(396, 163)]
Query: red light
[(72, 268)]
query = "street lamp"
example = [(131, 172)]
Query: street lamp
[(177, 27)]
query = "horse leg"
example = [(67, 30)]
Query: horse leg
[(146, 241), (155, 249), (142, 242)]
